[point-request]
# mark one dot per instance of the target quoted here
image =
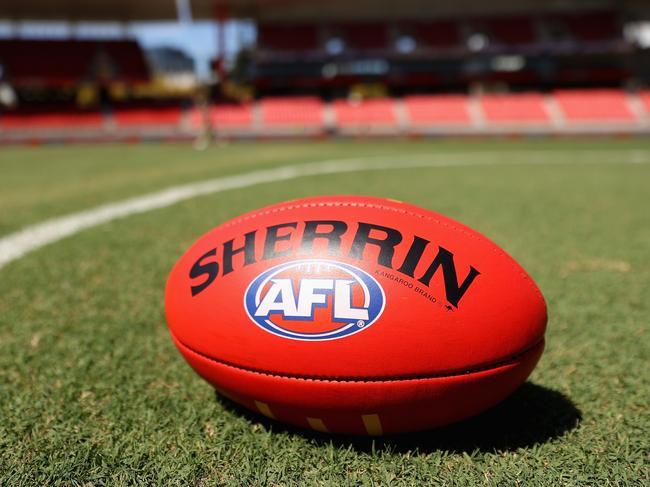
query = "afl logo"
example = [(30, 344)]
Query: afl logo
[(314, 300)]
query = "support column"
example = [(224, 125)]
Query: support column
[(221, 17)]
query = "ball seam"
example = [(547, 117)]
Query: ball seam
[(441, 375)]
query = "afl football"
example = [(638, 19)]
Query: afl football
[(355, 315)]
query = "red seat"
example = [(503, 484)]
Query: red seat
[(52, 120), (49, 63), (129, 60), (296, 111), (376, 112), (592, 26), (63, 62), (514, 108), (512, 30), (437, 110), (365, 35), (226, 116), (287, 37), (440, 34), (595, 106), (644, 96), (133, 117)]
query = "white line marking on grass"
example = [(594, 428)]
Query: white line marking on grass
[(16, 245)]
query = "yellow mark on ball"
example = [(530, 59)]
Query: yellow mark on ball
[(264, 409), (317, 424), (372, 424)]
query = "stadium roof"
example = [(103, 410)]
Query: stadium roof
[(291, 10)]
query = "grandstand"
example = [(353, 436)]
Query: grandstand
[(60, 63), (575, 112), (344, 70)]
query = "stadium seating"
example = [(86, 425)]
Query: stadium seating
[(585, 106), (59, 63), (512, 30), (142, 117), (368, 113), (365, 35), (294, 37), (586, 111), (130, 63), (53, 120), (292, 111), (437, 110), (644, 96), (226, 116), (591, 26), (439, 35), (514, 108), (63, 62)]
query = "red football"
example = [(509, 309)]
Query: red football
[(355, 315)]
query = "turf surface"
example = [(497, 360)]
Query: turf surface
[(93, 392)]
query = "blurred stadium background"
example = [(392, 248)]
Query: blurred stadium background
[(527, 120), (77, 70)]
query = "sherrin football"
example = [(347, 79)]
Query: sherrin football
[(355, 315)]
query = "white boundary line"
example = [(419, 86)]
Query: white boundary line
[(33, 237)]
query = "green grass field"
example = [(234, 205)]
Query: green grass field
[(93, 392)]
